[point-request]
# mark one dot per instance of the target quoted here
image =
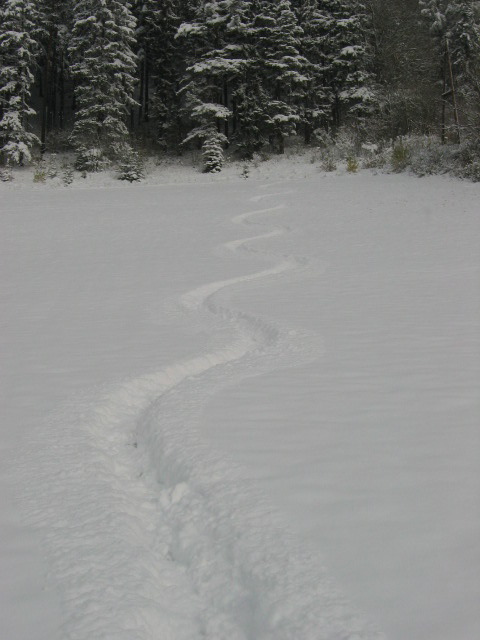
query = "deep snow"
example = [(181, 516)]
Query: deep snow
[(214, 390)]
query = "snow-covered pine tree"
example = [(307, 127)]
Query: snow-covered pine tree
[(350, 59), (434, 12), (18, 50), (215, 66), (254, 96), (247, 99), (463, 24), (457, 22), (103, 67), (455, 27), (251, 103), (316, 24), (278, 68), (469, 42)]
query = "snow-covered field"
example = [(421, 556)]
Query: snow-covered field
[(240, 409)]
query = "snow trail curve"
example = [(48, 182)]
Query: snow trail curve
[(150, 534)]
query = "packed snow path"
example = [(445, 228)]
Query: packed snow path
[(150, 533)]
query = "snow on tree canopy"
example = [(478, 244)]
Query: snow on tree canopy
[(103, 65), (17, 60)]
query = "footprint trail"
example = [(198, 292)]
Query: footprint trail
[(149, 533)]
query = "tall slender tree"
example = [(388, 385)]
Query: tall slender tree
[(351, 58), (18, 50), (316, 23), (215, 65), (282, 68), (455, 29), (463, 31), (104, 69), (268, 99)]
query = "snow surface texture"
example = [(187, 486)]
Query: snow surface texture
[(129, 308)]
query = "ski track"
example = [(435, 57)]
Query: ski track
[(149, 533)]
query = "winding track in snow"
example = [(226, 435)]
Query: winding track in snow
[(176, 545)]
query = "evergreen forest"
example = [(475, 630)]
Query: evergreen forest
[(105, 79)]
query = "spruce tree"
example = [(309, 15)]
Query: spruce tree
[(463, 31), (454, 22), (288, 73), (249, 99), (251, 116), (455, 29), (245, 74), (103, 68), (215, 66), (277, 70), (17, 61), (316, 24), (187, 9), (469, 42), (350, 59)]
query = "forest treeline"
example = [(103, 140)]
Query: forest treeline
[(104, 77)]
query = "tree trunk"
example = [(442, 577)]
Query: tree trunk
[(444, 101), (141, 93), (61, 91), (146, 90), (225, 104), (452, 87), (46, 94)]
